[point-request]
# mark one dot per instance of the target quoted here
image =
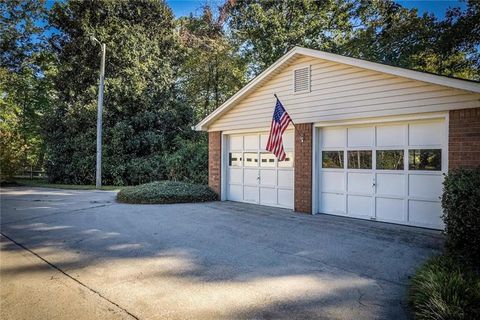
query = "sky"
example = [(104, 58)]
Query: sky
[(437, 7)]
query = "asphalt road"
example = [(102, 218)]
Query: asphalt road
[(79, 254)]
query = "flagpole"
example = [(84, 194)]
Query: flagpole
[(284, 108)]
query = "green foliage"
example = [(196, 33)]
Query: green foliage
[(442, 289), (144, 111), (266, 30), (376, 30), (25, 89), (213, 69), (190, 161), (166, 192), (461, 214)]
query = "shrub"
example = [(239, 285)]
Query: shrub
[(166, 192), (461, 214), (189, 162), (441, 289)]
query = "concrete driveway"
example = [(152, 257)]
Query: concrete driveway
[(79, 253)]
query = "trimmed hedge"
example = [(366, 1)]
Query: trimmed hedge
[(443, 289), (461, 214), (166, 192)]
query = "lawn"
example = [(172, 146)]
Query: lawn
[(45, 184)]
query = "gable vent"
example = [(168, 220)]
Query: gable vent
[(301, 80)]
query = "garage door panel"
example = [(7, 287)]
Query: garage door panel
[(360, 182), (285, 178), (285, 197), (332, 181), (263, 141), (235, 192), (333, 203), (425, 213), (422, 134), (235, 176), (251, 142), (389, 184), (360, 137), (425, 186), (390, 209), (235, 143), (333, 138), (250, 176), (288, 140), (268, 177), (268, 196), (359, 205), (250, 194), (391, 136)]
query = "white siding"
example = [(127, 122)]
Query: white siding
[(339, 92)]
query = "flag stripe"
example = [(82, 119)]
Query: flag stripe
[(280, 122)]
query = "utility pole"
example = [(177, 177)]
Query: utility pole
[(98, 174)]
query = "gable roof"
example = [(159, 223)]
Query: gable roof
[(297, 52)]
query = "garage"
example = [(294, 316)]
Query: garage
[(368, 140), (384, 172), (254, 175)]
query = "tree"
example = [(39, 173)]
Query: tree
[(389, 33), (266, 30), (143, 111), (25, 89), (376, 30), (213, 69)]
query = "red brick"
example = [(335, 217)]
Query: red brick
[(215, 161), (464, 138), (303, 167)]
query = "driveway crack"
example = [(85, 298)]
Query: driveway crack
[(71, 277)]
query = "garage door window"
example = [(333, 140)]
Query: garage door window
[(235, 159), (332, 159), (288, 162), (359, 159), (389, 159), (267, 160), (425, 159), (251, 159)]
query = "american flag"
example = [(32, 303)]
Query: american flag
[(280, 122)]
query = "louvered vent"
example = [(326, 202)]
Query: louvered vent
[(301, 80)]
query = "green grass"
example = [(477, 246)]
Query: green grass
[(443, 289), (166, 192), (45, 184)]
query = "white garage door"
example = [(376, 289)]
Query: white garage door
[(254, 175), (389, 173)]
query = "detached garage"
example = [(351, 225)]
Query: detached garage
[(369, 141)]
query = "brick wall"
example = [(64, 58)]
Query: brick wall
[(464, 138), (303, 167), (215, 160)]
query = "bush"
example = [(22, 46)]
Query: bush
[(441, 289), (461, 214), (189, 162), (166, 192)]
